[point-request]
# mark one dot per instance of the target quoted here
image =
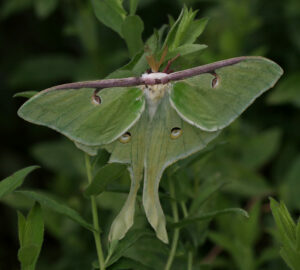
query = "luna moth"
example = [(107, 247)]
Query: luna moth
[(152, 121)]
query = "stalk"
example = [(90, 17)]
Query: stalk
[(96, 233)]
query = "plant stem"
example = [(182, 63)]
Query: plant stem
[(96, 233), (190, 260), (190, 253), (176, 230)]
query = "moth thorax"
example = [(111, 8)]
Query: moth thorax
[(154, 93)]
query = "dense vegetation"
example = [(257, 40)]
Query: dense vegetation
[(46, 43)]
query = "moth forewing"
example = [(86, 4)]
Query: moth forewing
[(73, 113)]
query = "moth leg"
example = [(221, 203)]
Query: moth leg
[(95, 98), (215, 81), (167, 68)]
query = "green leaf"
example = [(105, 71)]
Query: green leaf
[(60, 156), (105, 175), (44, 8), (206, 216), (31, 232), (287, 91), (21, 227), (284, 222), (133, 6), (128, 263), (185, 30), (34, 71), (14, 181), (111, 13), (260, 148), (298, 236), (132, 30), (291, 257), (186, 49), (11, 7), (58, 207), (118, 248), (206, 190), (292, 183), (26, 94)]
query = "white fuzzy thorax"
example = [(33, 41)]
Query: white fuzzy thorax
[(154, 93)]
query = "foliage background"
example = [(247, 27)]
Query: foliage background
[(46, 43)]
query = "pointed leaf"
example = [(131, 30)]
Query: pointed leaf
[(58, 207), (21, 227), (111, 13), (118, 248), (132, 30), (284, 222), (133, 6), (14, 181), (26, 94), (104, 176), (32, 237), (209, 215), (128, 263)]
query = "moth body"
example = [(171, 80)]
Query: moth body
[(154, 93)]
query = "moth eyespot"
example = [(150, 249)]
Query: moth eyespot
[(125, 138), (96, 100), (176, 132)]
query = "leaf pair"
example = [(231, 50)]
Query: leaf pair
[(289, 233), (31, 235)]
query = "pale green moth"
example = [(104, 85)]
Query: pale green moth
[(150, 122)]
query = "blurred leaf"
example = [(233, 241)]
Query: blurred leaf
[(14, 181), (34, 71), (86, 28), (118, 248), (128, 263), (260, 148), (11, 7), (133, 6), (206, 216), (111, 13), (132, 30), (44, 8), (26, 94), (58, 207), (292, 183), (205, 191), (103, 177), (60, 156), (31, 234), (287, 91)]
